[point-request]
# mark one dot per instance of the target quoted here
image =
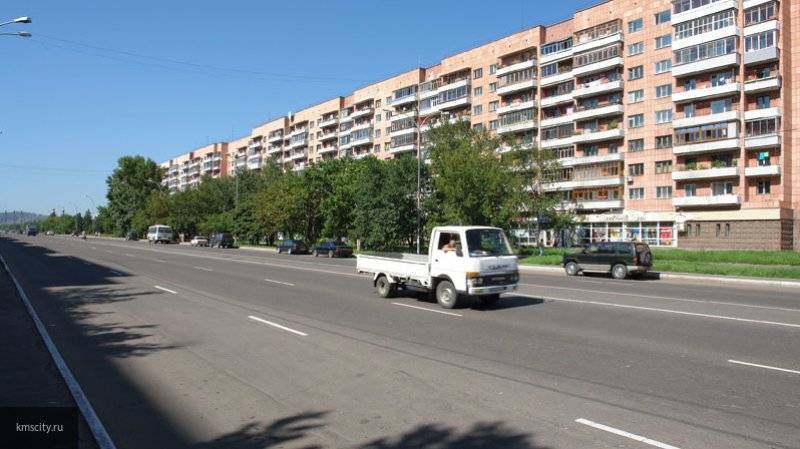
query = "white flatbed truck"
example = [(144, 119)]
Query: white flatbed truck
[(461, 261)]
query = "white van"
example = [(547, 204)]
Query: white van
[(160, 234)]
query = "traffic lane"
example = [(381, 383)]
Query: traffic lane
[(658, 403), (649, 363), (366, 383)]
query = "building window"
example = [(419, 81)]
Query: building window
[(664, 41), (664, 141), (636, 96), (636, 194), (591, 150), (705, 24), (763, 186), (492, 124), (477, 109), (664, 90), (719, 229), (636, 121), (478, 91), (477, 73), (664, 192), (492, 87), (635, 145), (635, 49), (763, 159), (377, 133), (720, 106), (727, 229), (635, 25), (663, 167), (763, 102), (478, 127), (721, 188), (613, 148), (705, 50), (664, 116), (760, 13), (636, 170), (689, 190), (635, 73), (378, 118), (759, 41), (663, 17), (492, 69), (697, 230), (665, 65), (493, 105)]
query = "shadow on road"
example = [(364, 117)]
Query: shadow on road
[(481, 435)]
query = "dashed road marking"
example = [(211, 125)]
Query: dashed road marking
[(625, 434), (426, 309), (287, 329)]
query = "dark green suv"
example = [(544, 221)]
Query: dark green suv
[(618, 258)]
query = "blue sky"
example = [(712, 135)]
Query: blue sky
[(100, 80)]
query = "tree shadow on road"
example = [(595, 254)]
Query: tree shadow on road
[(275, 434)]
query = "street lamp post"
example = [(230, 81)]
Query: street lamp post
[(23, 19)]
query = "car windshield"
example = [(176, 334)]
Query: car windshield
[(487, 242)]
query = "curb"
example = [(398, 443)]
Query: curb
[(692, 277)]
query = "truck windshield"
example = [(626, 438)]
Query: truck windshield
[(487, 242)]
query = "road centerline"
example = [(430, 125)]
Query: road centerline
[(280, 282), (756, 365), (166, 289), (625, 434), (426, 309), (202, 268), (276, 325)]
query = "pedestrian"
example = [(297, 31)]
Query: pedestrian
[(541, 247)]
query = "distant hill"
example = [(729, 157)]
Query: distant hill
[(19, 217)]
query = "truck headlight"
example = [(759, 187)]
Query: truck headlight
[(476, 281)]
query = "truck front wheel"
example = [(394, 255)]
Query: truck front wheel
[(446, 294), (385, 288)]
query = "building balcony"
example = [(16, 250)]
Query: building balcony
[(403, 148), (404, 115), (711, 200), (240, 163), (710, 36), (408, 99), (762, 85), (344, 118), (298, 167), (515, 67), (699, 120), (529, 84), (524, 125), (609, 181), (454, 104), (328, 136), (556, 100), (362, 113), (597, 67), (763, 170), (756, 114), (704, 10), (274, 149), (588, 160), (464, 82), (600, 111), (759, 56), (556, 79), (596, 136), (706, 93), (451, 120), (254, 146), (595, 88), (297, 144), (298, 131), (361, 140), (404, 131), (328, 149), (707, 147), (557, 56), (275, 138), (706, 65), (597, 43), (329, 122), (360, 126), (557, 120), (764, 141), (516, 106), (254, 163), (559, 142), (707, 173), (579, 205), (297, 156)]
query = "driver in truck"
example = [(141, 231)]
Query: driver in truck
[(452, 245)]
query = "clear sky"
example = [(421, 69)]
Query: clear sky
[(100, 80)]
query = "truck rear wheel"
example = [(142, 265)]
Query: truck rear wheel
[(446, 294), (385, 288)]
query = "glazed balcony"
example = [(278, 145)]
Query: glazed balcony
[(606, 181), (589, 135), (705, 93), (704, 171), (758, 85), (506, 69), (714, 64), (707, 201), (331, 121), (602, 110), (596, 87), (516, 106), (707, 119)]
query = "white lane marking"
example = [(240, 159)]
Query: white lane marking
[(166, 289), (426, 309), (625, 434), (775, 368), (109, 252), (202, 268), (129, 255), (280, 282), (287, 329), (95, 425), (656, 309), (115, 272), (159, 260), (709, 301)]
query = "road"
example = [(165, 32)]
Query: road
[(196, 347)]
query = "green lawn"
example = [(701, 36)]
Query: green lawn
[(764, 264)]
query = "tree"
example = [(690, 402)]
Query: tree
[(280, 208), (88, 222), (129, 187)]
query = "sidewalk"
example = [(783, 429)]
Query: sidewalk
[(28, 375)]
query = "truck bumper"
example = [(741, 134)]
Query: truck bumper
[(491, 290)]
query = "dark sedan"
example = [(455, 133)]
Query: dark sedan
[(292, 247), (332, 249), (221, 240)]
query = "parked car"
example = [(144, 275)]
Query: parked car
[(132, 236), (160, 234), (221, 240), (31, 230), (292, 247), (618, 258), (50, 233), (332, 248), (199, 240)]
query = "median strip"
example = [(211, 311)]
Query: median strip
[(166, 289), (426, 309), (287, 329), (774, 368), (280, 282), (625, 434)]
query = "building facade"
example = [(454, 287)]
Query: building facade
[(673, 120)]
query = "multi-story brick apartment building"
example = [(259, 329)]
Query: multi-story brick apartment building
[(673, 120)]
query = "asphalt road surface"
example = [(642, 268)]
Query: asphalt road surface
[(196, 347)]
